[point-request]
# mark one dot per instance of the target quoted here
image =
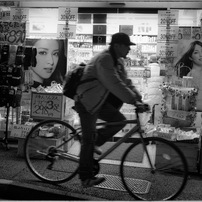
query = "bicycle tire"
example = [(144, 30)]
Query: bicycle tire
[(170, 175), (46, 157)]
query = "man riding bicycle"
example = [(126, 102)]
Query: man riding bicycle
[(102, 99)]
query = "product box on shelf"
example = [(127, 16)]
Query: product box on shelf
[(47, 106)]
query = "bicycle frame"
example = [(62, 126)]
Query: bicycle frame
[(136, 129)]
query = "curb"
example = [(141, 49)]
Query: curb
[(12, 190)]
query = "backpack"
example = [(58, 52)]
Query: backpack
[(73, 80)]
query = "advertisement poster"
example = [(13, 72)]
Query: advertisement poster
[(49, 63), (188, 62)]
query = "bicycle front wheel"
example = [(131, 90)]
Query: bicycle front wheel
[(164, 181), (52, 150)]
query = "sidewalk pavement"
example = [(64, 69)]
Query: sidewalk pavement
[(18, 183)]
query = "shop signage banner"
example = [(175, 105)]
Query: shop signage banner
[(67, 14), (12, 32), (168, 17), (47, 105), (66, 31), (19, 14)]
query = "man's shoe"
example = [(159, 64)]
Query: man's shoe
[(92, 182), (97, 150)]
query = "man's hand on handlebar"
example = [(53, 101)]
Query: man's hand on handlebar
[(141, 106)]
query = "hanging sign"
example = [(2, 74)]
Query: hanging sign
[(19, 14), (166, 50), (66, 32), (168, 17), (47, 105), (12, 32), (67, 14), (168, 34)]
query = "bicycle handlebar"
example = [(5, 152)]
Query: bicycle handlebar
[(142, 107)]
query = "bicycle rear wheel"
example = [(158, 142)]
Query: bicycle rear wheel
[(164, 182), (52, 151)]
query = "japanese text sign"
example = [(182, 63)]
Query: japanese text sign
[(12, 32), (19, 14), (67, 14), (47, 105), (66, 32), (168, 17)]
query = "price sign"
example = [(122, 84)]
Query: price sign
[(168, 17), (19, 14), (12, 32), (177, 114), (66, 32), (167, 34), (47, 105), (20, 131), (67, 14), (166, 50)]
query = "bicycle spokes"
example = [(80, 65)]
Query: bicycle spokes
[(165, 173)]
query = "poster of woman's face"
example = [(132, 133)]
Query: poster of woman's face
[(50, 61), (189, 57), (189, 64)]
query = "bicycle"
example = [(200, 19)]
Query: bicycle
[(165, 169)]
